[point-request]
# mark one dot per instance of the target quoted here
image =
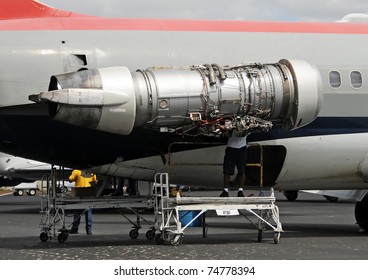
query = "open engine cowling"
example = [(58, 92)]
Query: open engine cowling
[(204, 99)]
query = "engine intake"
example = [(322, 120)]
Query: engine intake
[(206, 99)]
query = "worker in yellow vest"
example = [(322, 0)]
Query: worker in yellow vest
[(82, 182)]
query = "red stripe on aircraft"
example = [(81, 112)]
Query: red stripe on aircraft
[(17, 9), (96, 23)]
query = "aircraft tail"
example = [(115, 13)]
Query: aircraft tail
[(17, 9)]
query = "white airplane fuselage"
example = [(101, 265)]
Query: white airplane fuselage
[(330, 153)]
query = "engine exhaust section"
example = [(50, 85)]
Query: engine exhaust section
[(198, 100)]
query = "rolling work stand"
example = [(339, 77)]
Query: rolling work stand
[(55, 206), (167, 210), (168, 218)]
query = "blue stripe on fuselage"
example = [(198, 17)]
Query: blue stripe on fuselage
[(320, 126)]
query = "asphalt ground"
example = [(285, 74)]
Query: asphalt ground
[(314, 229)]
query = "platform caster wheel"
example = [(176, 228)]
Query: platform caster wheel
[(176, 240), (62, 237), (44, 236), (134, 234), (159, 239), (260, 235), (276, 237), (150, 234)]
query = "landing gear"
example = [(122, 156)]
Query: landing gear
[(331, 198), (361, 213), (291, 195)]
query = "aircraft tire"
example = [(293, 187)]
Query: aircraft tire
[(361, 213), (331, 198), (291, 195)]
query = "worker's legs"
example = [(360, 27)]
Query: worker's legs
[(240, 180), (228, 170), (132, 187), (225, 191), (76, 221), (227, 180), (241, 162), (232, 158), (88, 217)]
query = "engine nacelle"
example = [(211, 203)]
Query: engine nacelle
[(205, 99)]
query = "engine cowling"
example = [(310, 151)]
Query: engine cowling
[(205, 99)]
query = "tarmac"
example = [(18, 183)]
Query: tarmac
[(314, 229)]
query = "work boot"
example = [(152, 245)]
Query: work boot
[(224, 194), (240, 194), (89, 230), (73, 231)]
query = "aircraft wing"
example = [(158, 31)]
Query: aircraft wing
[(17, 169)]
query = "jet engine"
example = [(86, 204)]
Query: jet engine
[(205, 99)]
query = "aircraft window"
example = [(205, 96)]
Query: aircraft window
[(335, 79), (356, 79)]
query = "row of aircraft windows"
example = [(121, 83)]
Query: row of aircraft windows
[(355, 79)]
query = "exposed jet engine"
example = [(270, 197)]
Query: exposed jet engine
[(197, 100)]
